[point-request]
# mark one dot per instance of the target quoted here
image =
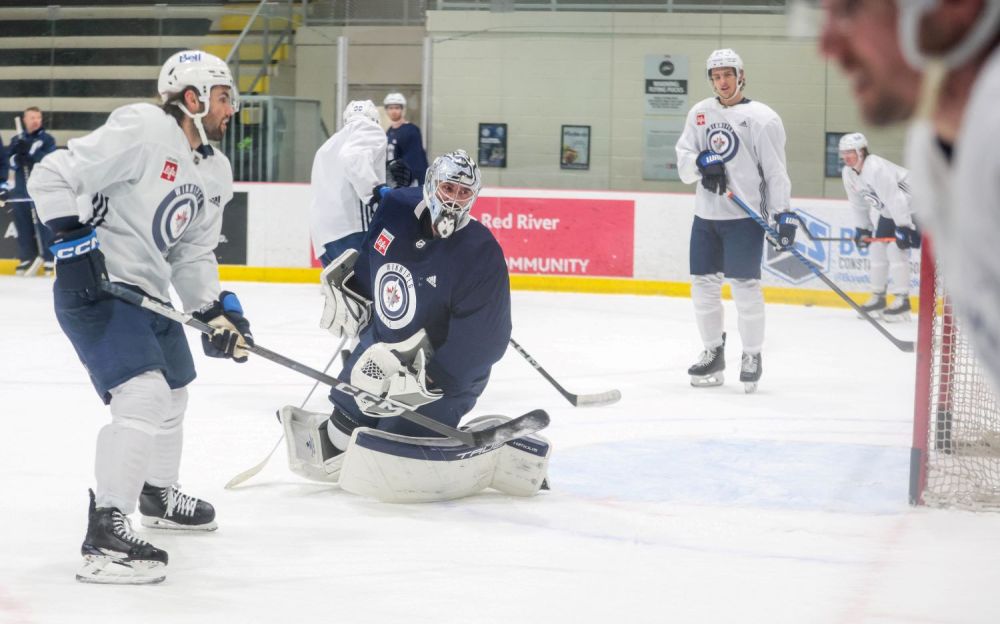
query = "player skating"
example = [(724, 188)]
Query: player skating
[(158, 192), (429, 297), (730, 141), (874, 182)]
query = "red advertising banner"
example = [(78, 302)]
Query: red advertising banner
[(562, 236)]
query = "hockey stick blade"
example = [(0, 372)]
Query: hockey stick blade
[(903, 345), (577, 400), (252, 472), (523, 425), (385, 404)]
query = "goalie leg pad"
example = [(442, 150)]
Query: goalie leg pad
[(392, 468), (311, 454)]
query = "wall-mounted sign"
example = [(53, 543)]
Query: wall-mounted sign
[(574, 152), (492, 145), (666, 84)]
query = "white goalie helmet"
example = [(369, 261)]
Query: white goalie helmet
[(202, 71), (853, 142), (361, 109), (450, 210), (912, 12), (396, 99)]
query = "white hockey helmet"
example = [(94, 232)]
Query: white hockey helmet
[(912, 12), (361, 109), (394, 98), (202, 71), (852, 142), (725, 57), (449, 214)]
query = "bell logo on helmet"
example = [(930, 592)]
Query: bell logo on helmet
[(188, 57)]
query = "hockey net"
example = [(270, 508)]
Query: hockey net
[(955, 459)]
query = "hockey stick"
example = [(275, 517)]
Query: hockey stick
[(494, 436), (902, 345), (578, 400), (252, 472), (840, 239)]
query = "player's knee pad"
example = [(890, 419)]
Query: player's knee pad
[(143, 402), (311, 452), (747, 294), (402, 469), (178, 407)]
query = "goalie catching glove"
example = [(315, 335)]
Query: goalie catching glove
[(383, 371), (232, 330), (345, 312)]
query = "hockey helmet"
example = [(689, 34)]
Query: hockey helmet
[(852, 142), (202, 71), (361, 109), (450, 210), (394, 99), (723, 58)]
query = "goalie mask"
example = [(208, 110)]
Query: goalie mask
[(202, 71), (453, 183)]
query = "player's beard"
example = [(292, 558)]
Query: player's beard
[(214, 129)]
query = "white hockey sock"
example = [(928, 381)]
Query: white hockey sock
[(899, 268), (164, 466), (124, 447), (706, 294), (879, 272), (749, 299)]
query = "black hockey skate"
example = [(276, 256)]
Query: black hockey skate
[(874, 305), (750, 370), (707, 371), (169, 508), (113, 554), (899, 310)]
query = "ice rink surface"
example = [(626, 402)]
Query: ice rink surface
[(675, 505)]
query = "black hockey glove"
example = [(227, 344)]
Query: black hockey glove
[(907, 237), (400, 173), (786, 231), (19, 145), (713, 172), (79, 262), (232, 330), (861, 236), (378, 194)]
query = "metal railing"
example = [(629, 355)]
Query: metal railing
[(266, 13), (274, 139)]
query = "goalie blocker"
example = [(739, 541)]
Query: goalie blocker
[(394, 468)]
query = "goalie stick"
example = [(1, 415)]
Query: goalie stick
[(521, 426), (251, 472), (902, 345), (578, 400)]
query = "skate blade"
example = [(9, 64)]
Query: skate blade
[(877, 315), (749, 387), (110, 571), (897, 318), (162, 523), (707, 381), (33, 268)]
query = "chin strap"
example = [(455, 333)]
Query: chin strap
[(196, 118)]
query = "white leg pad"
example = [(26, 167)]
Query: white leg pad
[(164, 466), (749, 299), (310, 452), (401, 469), (879, 272), (706, 294), (899, 269)]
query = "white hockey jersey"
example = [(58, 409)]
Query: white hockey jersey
[(882, 185), (345, 170), (959, 203), (158, 206), (751, 140)]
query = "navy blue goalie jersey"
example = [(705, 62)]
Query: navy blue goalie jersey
[(456, 288)]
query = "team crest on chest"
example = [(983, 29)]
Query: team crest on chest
[(395, 295), (383, 241), (175, 213), (723, 140)]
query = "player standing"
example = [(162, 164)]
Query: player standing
[(730, 141), (158, 193), (874, 182), (405, 142)]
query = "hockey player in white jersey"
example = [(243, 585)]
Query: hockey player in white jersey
[(872, 182), (158, 192), (730, 141), (951, 149), (348, 178)]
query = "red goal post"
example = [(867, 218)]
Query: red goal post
[(955, 457)]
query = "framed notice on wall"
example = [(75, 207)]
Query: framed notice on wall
[(574, 151), (492, 145), (833, 162)]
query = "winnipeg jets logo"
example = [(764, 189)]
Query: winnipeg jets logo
[(175, 213), (723, 140), (395, 295)]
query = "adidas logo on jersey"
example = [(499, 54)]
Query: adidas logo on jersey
[(433, 281), (216, 200)]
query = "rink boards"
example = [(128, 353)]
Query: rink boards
[(565, 240)]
